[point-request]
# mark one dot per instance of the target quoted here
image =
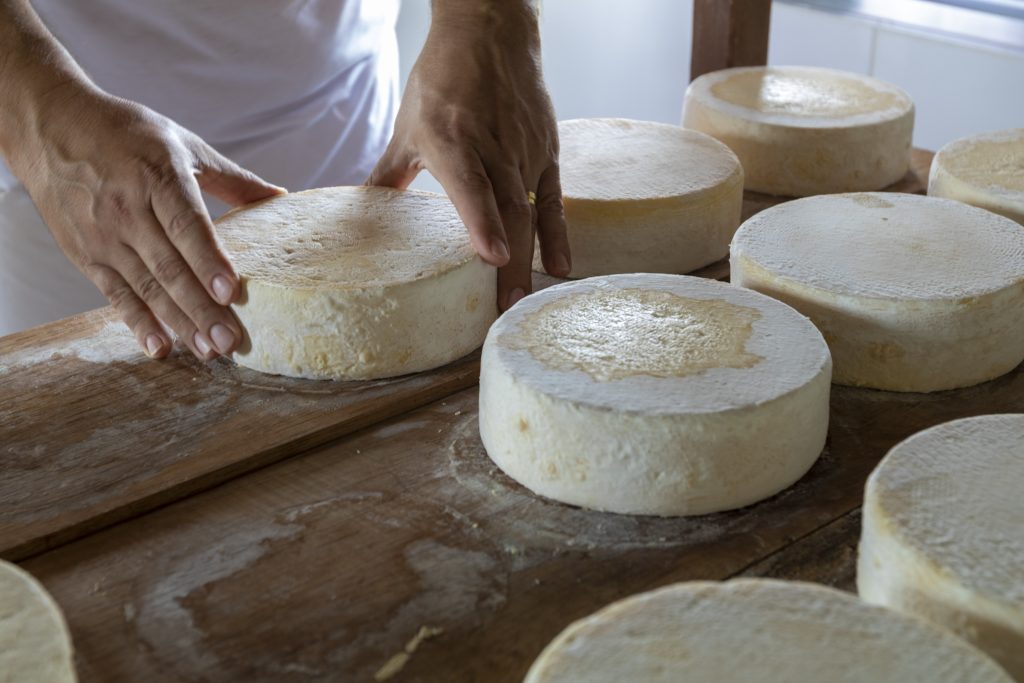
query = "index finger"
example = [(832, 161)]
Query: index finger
[(463, 177)]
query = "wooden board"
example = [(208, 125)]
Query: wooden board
[(828, 556), (326, 566), (92, 431)]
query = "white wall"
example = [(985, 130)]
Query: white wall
[(601, 57), (632, 59)]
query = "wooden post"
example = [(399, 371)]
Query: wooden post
[(729, 33)]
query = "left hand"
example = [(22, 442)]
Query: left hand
[(476, 115)]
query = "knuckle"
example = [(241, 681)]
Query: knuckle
[(120, 295), (458, 119), (517, 208), (114, 207), (157, 164), (149, 288), (170, 269), (182, 223), (551, 204)]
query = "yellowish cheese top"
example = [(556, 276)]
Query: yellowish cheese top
[(616, 333), (345, 238), (658, 344), (805, 92), (628, 161)]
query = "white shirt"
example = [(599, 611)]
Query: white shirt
[(301, 92)]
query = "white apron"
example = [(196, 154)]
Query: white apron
[(301, 92)]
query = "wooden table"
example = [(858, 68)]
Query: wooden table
[(259, 529)]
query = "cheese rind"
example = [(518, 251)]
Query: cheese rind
[(802, 131), (35, 646), (756, 630), (984, 170), (911, 293), (943, 532), (653, 394), (356, 283), (645, 197)]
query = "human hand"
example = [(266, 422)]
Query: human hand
[(476, 114), (120, 188)]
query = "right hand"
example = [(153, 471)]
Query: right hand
[(120, 188)]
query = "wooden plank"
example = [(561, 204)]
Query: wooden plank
[(92, 432), (914, 182), (728, 33), (325, 566), (827, 556)]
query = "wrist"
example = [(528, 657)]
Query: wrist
[(34, 72), (486, 18)]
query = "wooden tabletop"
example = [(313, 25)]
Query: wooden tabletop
[(176, 512), (325, 566)]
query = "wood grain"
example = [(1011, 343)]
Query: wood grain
[(728, 33), (93, 432), (325, 566), (828, 556)]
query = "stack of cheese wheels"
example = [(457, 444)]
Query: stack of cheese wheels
[(984, 170), (35, 646), (757, 630), (646, 197), (943, 534), (800, 131), (912, 293), (654, 394), (356, 283)]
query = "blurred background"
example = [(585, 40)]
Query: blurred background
[(962, 61)]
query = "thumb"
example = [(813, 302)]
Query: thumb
[(229, 182)]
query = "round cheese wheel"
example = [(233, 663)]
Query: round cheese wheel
[(654, 394), (356, 283), (912, 293), (983, 170), (756, 630), (943, 532), (801, 131), (35, 646), (643, 197)]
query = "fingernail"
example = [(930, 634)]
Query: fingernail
[(223, 338), (499, 249), (202, 345), (561, 264), (514, 296), (154, 344), (223, 289)]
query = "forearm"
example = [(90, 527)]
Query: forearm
[(33, 65)]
